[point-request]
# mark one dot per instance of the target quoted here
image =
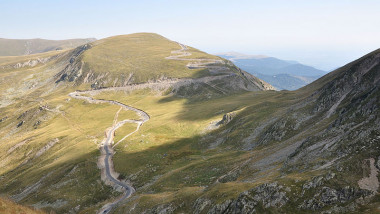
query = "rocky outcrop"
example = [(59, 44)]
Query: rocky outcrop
[(45, 148), (3, 119), (226, 118), (73, 70), (201, 204), (357, 76), (161, 209), (265, 196), (328, 196), (314, 195), (20, 124), (30, 63)]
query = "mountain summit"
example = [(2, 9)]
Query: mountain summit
[(146, 57)]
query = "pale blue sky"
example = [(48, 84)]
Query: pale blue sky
[(322, 33)]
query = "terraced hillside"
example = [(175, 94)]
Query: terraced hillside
[(142, 124)]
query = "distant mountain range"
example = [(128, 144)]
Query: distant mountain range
[(18, 47), (282, 74)]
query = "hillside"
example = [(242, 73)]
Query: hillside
[(6, 206), (282, 74), (78, 138), (51, 153), (309, 151), (18, 47), (145, 57)]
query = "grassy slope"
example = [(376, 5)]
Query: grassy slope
[(77, 125), (141, 55), (18, 47), (76, 149), (172, 153), (166, 145), (5, 60), (7, 206), (167, 149)]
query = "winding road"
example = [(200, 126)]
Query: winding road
[(107, 169), (195, 63), (106, 146)]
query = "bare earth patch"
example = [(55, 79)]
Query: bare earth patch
[(371, 182)]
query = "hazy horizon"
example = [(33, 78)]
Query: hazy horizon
[(322, 34)]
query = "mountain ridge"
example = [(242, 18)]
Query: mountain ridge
[(94, 64), (283, 74), (18, 47), (218, 140)]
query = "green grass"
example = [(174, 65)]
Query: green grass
[(169, 152), (140, 55), (7, 206), (11, 60), (171, 159), (78, 126), (169, 147)]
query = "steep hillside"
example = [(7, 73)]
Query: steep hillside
[(18, 47), (282, 74), (309, 151)]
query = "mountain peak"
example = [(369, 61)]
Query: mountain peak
[(148, 57)]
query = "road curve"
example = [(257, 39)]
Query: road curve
[(106, 147), (196, 63)]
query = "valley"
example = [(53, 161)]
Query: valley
[(106, 149), (142, 124)]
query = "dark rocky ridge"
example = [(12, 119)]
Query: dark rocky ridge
[(339, 117), (349, 99)]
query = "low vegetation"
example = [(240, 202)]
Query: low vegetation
[(7, 206), (275, 143)]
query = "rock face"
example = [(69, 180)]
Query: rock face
[(328, 196), (226, 118), (264, 196), (314, 196), (352, 99), (340, 119), (74, 69)]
